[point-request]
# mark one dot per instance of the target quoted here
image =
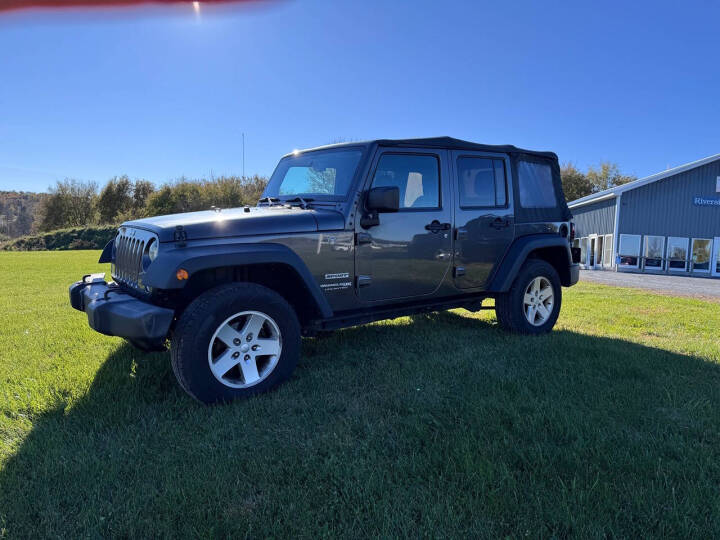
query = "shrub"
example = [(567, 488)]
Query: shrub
[(191, 195), (64, 239)]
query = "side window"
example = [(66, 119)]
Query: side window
[(416, 175), (535, 184), (481, 182)]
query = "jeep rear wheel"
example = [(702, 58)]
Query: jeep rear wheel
[(532, 304), (235, 341)]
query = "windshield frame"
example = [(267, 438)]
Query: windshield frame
[(273, 183)]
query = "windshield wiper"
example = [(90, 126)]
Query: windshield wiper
[(303, 203), (270, 201)]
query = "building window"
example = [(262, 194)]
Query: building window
[(629, 251), (607, 250), (654, 252), (677, 254), (701, 250), (583, 250), (417, 177), (481, 182), (535, 184)]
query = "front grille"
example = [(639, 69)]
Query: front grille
[(128, 262)]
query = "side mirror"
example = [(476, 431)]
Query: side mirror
[(384, 199)]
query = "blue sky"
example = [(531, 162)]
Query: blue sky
[(160, 94)]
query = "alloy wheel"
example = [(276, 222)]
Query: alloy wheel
[(245, 349), (538, 301)]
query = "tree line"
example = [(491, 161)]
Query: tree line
[(75, 203), (577, 184)]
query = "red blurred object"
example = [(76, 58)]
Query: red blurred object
[(13, 5)]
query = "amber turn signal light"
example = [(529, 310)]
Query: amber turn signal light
[(182, 274)]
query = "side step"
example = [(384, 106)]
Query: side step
[(344, 320)]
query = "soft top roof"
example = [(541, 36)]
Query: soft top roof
[(459, 144), (447, 142)]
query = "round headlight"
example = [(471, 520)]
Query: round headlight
[(153, 249)]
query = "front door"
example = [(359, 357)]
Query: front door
[(716, 257), (409, 252), (599, 252), (483, 216)]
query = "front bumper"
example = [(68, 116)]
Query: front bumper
[(113, 312)]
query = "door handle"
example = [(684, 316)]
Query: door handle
[(436, 226), (499, 223)]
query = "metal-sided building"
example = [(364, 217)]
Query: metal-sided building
[(666, 223)]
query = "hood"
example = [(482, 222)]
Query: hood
[(241, 222)]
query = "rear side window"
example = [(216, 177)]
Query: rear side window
[(417, 176), (481, 182), (535, 184)]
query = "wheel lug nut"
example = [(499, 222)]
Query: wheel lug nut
[(255, 347), (247, 357), (236, 341), (249, 337), (235, 354)]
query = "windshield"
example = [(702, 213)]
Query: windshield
[(325, 174)]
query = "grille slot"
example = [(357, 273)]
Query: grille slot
[(129, 248)]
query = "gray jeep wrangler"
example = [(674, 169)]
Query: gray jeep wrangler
[(344, 235)]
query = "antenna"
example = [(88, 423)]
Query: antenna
[(243, 142)]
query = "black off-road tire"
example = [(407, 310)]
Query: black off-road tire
[(198, 323), (510, 307)]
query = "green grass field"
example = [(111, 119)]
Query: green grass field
[(438, 425)]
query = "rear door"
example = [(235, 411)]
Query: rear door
[(409, 252), (484, 220)]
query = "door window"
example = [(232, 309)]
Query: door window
[(583, 250), (629, 250), (599, 257), (481, 182), (701, 249), (417, 176), (607, 250), (677, 254), (654, 252)]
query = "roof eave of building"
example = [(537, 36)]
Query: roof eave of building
[(596, 197), (614, 192)]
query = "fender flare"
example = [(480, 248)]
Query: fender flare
[(518, 253), (161, 273)]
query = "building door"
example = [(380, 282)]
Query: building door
[(608, 251), (599, 252), (410, 251), (701, 252), (716, 257), (484, 220), (591, 251)]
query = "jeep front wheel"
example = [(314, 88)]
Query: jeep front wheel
[(235, 341), (532, 304)]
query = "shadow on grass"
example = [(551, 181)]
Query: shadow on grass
[(442, 424)]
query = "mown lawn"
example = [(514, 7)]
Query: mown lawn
[(438, 425)]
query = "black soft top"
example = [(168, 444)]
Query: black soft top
[(459, 144), (441, 142)]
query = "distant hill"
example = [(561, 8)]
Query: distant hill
[(18, 213)]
